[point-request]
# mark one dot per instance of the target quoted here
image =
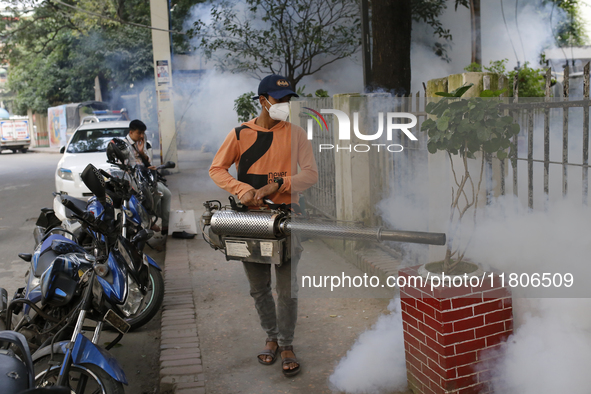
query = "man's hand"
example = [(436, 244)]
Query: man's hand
[(249, 199), (265, 191), (140, 145), (152, 167)]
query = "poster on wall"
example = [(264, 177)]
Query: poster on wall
[(163, 72), (56, 124)]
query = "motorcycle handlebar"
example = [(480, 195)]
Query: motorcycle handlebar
[(83, 215), (72, 207), (168, 164)]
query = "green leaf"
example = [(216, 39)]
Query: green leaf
[(430, 106), (492, 93), (459, 92), (502, 155), (431, 147), (483, 133), (443, 123), (428, 124)]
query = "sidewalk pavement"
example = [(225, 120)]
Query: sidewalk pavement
[(44, 149), (210, 328)]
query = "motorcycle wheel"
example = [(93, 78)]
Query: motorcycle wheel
[(151, 303), (83, 379)]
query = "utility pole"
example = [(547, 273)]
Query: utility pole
[(476, 41), (163, 78)]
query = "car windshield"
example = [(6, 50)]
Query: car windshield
[(108, 118), (94, 140)]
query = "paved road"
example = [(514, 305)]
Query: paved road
[(26, 184)]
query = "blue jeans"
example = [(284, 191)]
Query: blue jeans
[(278, 322)]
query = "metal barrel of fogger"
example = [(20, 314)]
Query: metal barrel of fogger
[(331, 230), (272, 225)]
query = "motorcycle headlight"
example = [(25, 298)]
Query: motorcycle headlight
[(66, 174)]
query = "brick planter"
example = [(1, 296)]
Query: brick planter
[(448, 331)]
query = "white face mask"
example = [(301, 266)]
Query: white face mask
[(279, 111)]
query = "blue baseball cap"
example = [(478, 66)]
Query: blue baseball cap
[(276, 86)]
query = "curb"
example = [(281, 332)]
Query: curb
[(45, 150), (181, 370), (379, 262)]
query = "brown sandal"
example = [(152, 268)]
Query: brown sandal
[(268, 352), (289, 360)]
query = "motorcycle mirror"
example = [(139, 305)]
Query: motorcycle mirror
[(94, 181), (170, 164), (143, 236)]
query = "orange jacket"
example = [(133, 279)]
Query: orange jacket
[(261, 155)]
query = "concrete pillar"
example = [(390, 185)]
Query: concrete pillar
[(163, 79), (352, 168)]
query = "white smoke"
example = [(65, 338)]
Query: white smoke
[(375, 364), (551, 348)]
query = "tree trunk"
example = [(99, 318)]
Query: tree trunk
[(475, 22), (391, 24)]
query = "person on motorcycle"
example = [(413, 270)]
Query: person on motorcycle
[(139, 154), (266, 152), (124, 114)]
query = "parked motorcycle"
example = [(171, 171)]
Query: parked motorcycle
[(146, 286), (17, 375), (78, 286)]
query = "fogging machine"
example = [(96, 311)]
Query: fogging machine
[(263, 236)]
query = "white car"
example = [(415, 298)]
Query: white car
[(87, 145)]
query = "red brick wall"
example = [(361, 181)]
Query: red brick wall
[(448, 331)]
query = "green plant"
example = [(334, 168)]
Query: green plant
[(473, 68), (321, 93), (468, 127), (530, 81), (318, 93), (246, 108), (497, 66), (301, 93)]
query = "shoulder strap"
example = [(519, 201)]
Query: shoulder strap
[(142, 157)]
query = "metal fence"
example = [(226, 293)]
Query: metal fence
[(551, 160), (387, 170), (322, 196), (395, 173), (546, 118)]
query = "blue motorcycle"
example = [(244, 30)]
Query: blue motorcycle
[(145, 285), (16, 367), (74, 285)]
